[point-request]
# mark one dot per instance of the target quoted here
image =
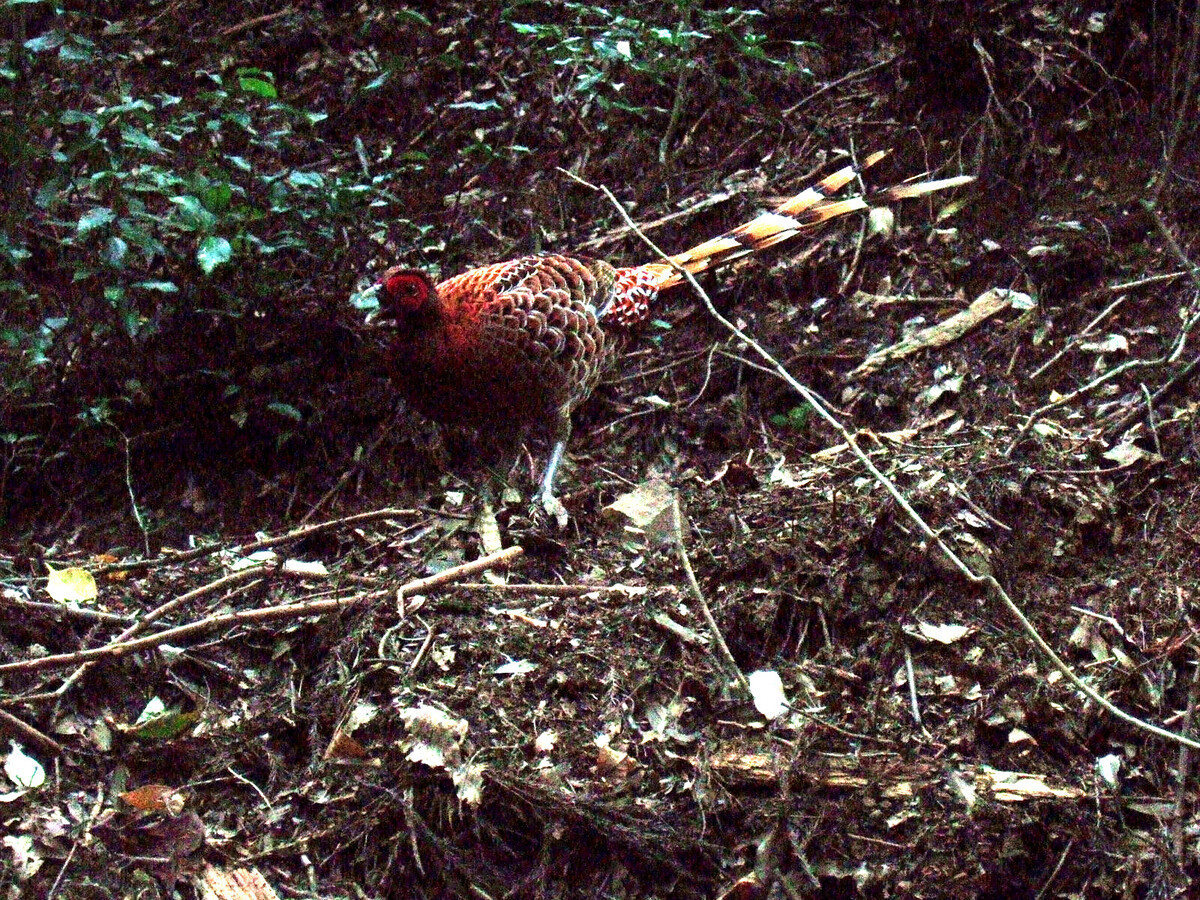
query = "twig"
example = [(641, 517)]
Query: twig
[(1183, 769), (682, 632), (256, 616), (85, 834), (355, 466), (23, 731), (1143, 282), (137, 512), (832, 84), (624, 231), (1058, 868), (155, 614), (1063, 399), (680, 104), (69, 611), (553, 590), (694, 588), (912, 687), (424, 648), (1190, 317), (1170, 384), (499, 559), (251, 23), (243, 549), (1169, 239), (1073, 341), (993, 587), (1180, 115)]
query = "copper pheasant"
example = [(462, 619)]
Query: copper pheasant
[(524, 342)]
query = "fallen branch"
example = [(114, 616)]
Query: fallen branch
[(988, 582), (263, 544), (118, 649), (952, 329)]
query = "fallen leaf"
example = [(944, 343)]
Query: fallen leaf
[(154, 798), (766, 689), (73, 585), (942, 634), (25, 772)]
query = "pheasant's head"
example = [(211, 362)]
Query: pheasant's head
[(405, 293)]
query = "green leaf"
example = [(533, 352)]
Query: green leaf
[(170, 724), (139, 140), (132, 320), (287, 410), (51, 40), (306, 179), (78, 117), (412, 15), (93, 219), (217, 197), (77, 50), (195, 216), (163, 287), (258, 87), (213, 252), (115, 251), (482, 105), (114, 294)]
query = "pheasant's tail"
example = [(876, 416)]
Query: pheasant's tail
[(806, 210)]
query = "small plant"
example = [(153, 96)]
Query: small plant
[(611, 56), (795, 419), (157, 234)]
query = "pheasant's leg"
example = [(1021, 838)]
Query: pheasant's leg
[(550, 504), (546, 489)]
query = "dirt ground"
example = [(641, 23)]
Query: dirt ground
[(326, 703)]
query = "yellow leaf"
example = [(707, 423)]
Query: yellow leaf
[(72, 585)]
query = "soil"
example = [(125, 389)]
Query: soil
[(565, 723)]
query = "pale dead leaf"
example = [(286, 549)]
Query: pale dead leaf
[(766, 689), (435, 737), (72, 585), (233, 884), (303, 567), (26, 859), (1127, 453), (647, 509), (25, 772), (545, 742), (942, 634), (1113, 343)]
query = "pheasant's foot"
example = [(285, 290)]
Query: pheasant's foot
[(546, 504)]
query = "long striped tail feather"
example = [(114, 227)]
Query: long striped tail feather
[(805, 211)]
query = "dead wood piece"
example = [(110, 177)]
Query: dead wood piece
[(981, 309)]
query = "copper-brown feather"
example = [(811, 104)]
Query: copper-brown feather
[(512, 343), (524, 342)]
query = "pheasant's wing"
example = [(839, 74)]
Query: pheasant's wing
[(540, 311)]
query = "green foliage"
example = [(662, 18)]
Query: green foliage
[(608, 51), (796, 418), (134, 207)]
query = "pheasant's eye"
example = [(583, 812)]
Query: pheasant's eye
[(409, 288)]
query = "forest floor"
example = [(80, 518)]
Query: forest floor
[(331, 700)]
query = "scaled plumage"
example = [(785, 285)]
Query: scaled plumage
[(524, 342)]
